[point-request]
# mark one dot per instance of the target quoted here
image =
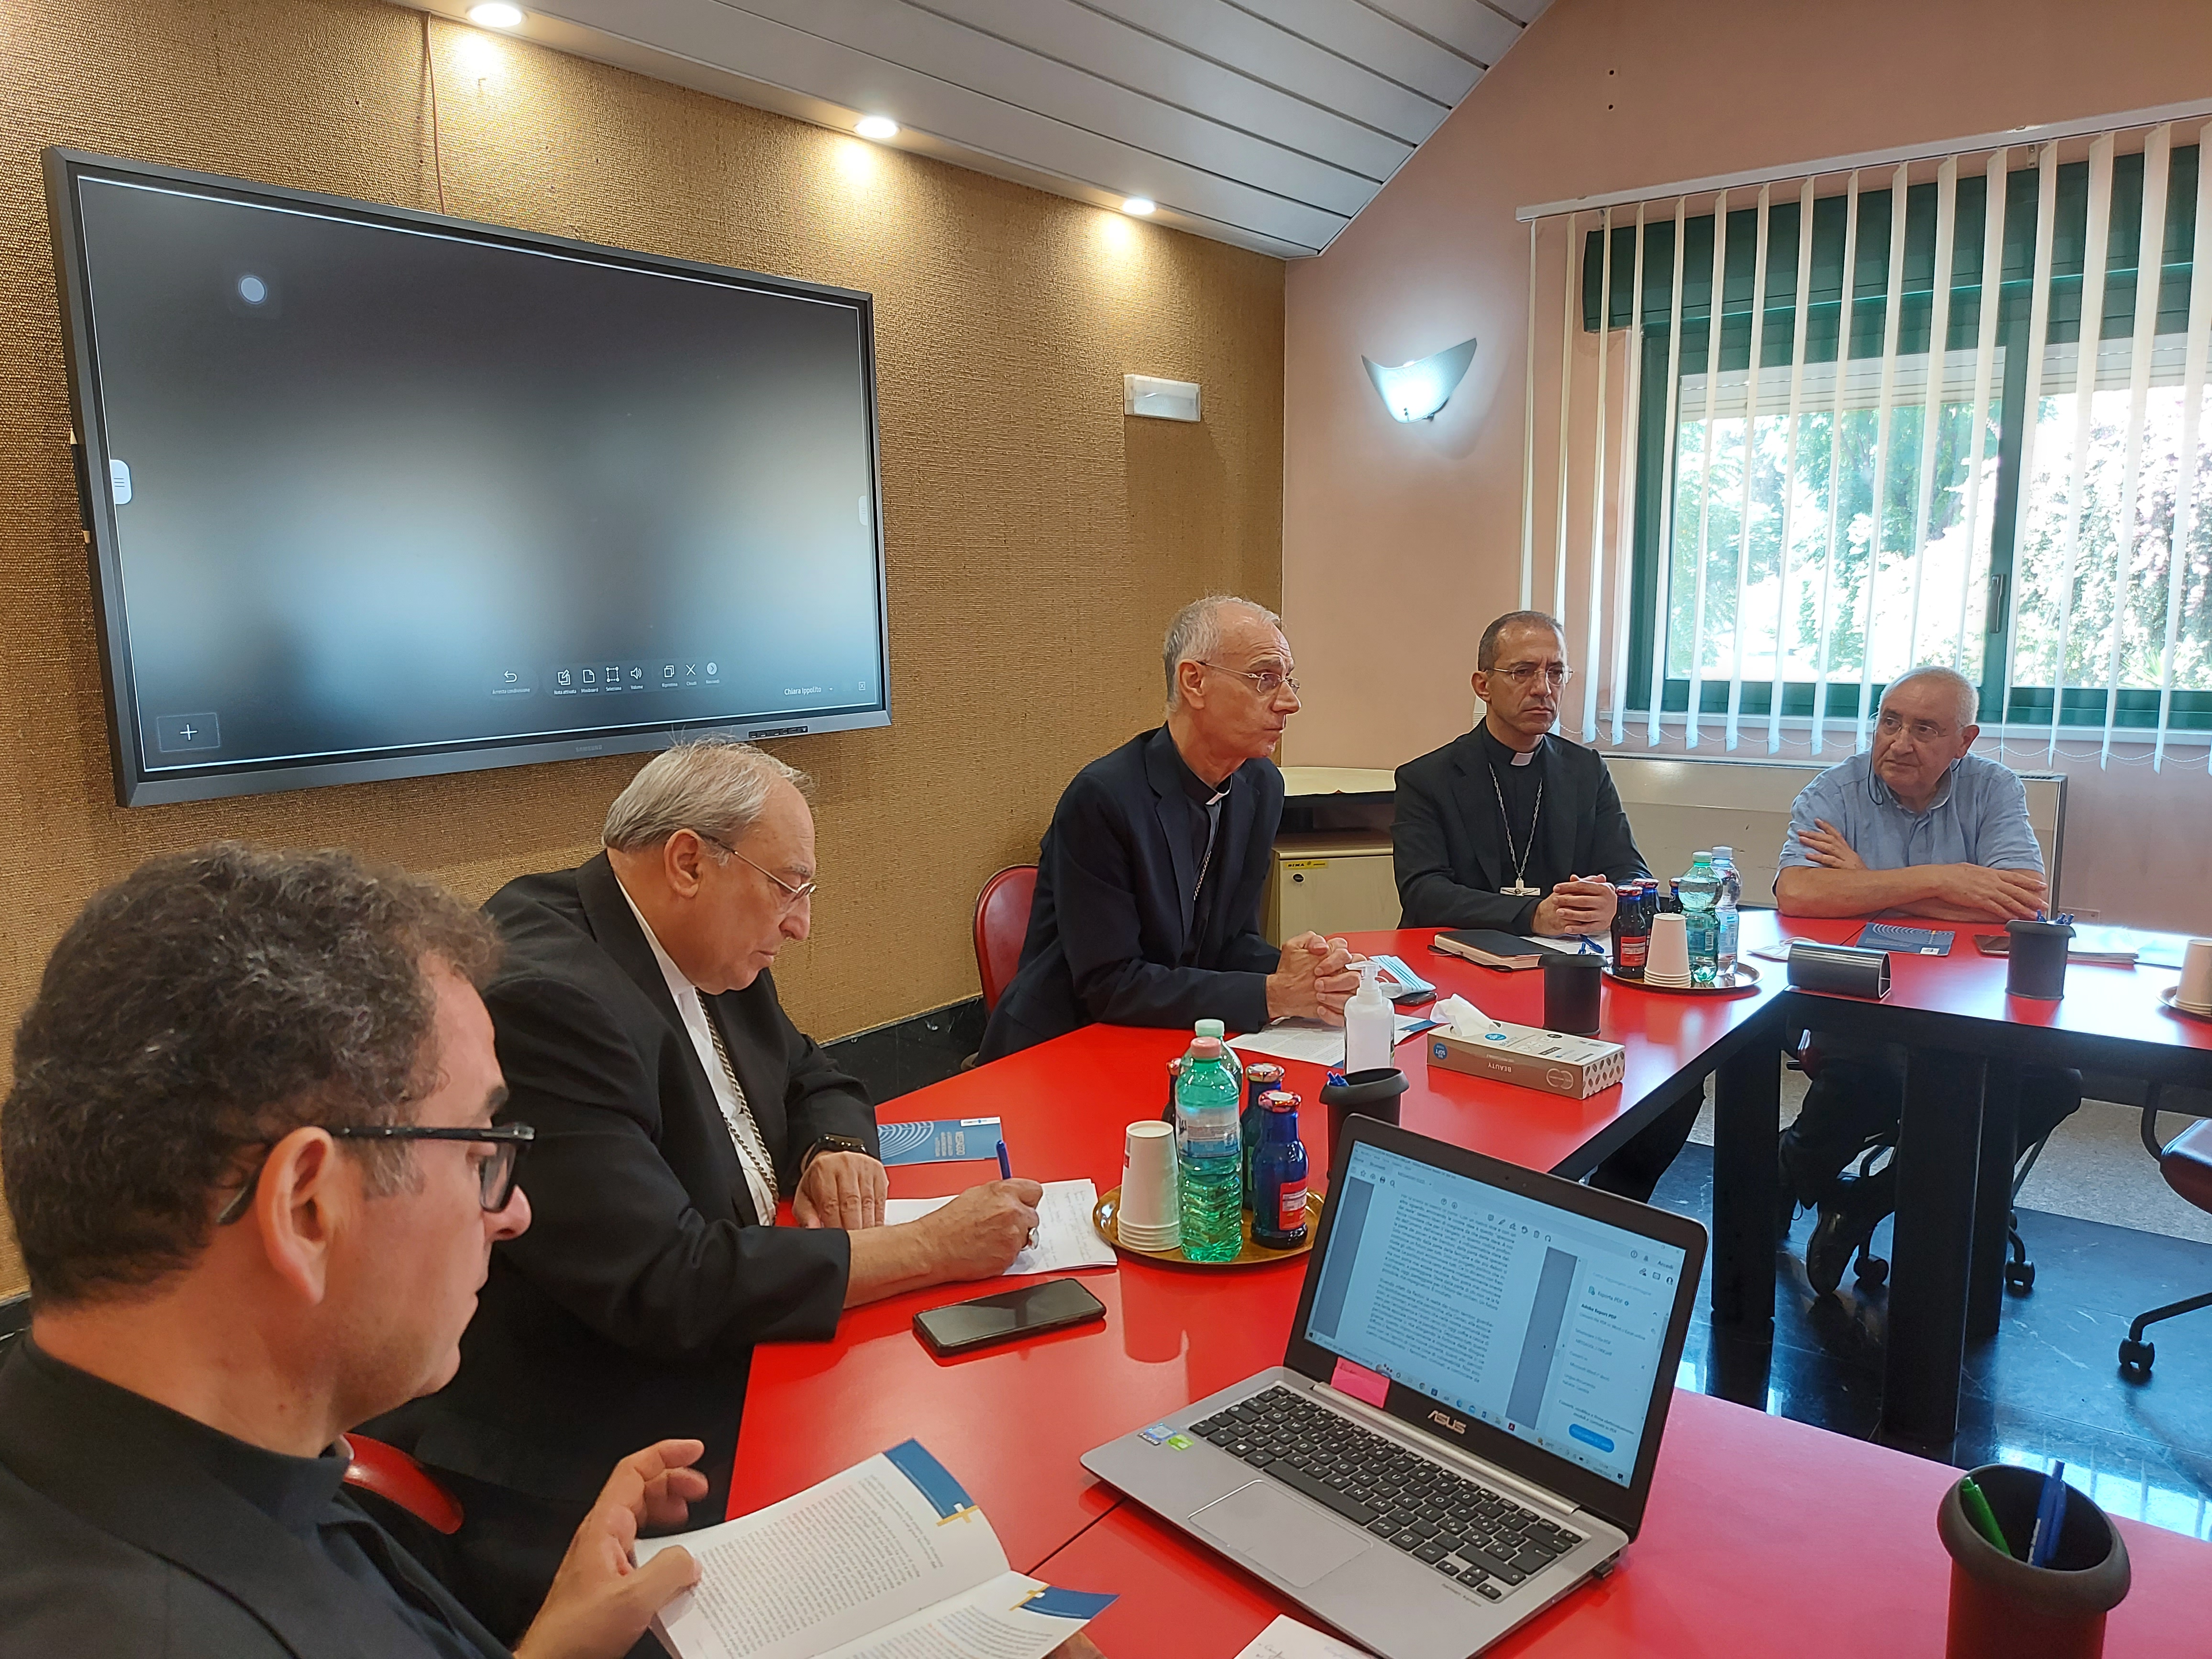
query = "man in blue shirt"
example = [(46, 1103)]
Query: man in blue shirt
[(1918, 826)]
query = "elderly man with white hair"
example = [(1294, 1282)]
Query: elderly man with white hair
[(1918, 825), (1149, 877), (674, 1103)]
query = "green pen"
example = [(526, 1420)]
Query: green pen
[(1977, 1510)]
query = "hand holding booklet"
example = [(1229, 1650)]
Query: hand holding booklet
[(888, 1560)]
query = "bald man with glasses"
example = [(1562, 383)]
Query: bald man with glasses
[(1151, 876)]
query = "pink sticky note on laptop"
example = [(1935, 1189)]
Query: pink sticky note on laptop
[(1360, 1383)]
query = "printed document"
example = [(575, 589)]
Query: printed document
[(1286, 1639), (1316, 1044), (1065, 1235), (889, 1560)]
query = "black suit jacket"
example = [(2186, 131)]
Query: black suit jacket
[(1111, 922), (628, 1311), (116, 1542), (1449, 850)]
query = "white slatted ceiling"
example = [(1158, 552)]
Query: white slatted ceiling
[(1265, 122)]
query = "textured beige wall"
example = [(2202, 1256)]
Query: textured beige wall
[(1037, 542)]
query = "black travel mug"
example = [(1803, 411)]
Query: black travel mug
[(1570, 993), (1369, 1094), (2038, 959), (2004, 1608)]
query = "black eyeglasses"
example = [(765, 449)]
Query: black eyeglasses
[(494, 1176)]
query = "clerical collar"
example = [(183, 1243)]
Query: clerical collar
[(1200, 793), (1498, 751)]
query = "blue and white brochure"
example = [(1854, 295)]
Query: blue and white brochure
[(948, 1140)]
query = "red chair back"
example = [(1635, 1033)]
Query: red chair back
[(394, 1476), (1002, 921)]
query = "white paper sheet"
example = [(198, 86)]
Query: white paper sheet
[(1065, 1237), (1316, 1044), (994, 1620), (1286, 1639)]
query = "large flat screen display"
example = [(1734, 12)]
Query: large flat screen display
[(375, 494)]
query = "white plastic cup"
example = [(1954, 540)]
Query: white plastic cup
[(1669, 960), (2195, 992), (1148, 1186)]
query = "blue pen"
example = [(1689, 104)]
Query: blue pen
[(1006, 1164), (2050, 1517)]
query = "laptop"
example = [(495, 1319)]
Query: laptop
[(1465, 1422)]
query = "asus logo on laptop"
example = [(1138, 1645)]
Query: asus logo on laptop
[(1448, 1421)]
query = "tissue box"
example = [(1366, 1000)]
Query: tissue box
[(1575, 1067)]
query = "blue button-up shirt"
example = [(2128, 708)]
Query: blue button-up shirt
[(1979, 815)]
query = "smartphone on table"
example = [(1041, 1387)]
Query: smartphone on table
[(962, 1326)]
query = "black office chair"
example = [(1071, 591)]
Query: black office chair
[(1871, 1270), (2186, 1161)]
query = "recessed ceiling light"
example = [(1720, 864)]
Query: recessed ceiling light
[(1139, 205), (495, 15), (877, 126)]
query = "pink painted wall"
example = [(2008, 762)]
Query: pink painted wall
[(1400, 542)]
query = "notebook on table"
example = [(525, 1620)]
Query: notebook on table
[(1905, 941), (1465, 1419), (1490, 948)]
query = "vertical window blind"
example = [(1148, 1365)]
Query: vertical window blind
[(1813, 431)]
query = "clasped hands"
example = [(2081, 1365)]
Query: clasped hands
[(1313, 980), (2000, 895), (1580, 904)]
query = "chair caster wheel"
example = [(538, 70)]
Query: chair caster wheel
[(1873, 1270), (2136, 1357), (2020, 1276)]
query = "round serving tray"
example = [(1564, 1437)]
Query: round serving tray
[(1746, 978), (1251, 1256), (2174, 1005)]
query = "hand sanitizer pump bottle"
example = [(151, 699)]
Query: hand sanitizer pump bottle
[(1368, 1024)]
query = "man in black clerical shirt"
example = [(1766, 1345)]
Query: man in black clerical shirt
[(1149, 877), (250, 1163), (1512, 827)]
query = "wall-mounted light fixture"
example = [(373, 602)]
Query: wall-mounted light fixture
[(877, 127), (1416, 391), (1141, 206), (495, 15)]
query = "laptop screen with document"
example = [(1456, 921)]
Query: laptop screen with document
[(1538, 1322), (1544, 1317)]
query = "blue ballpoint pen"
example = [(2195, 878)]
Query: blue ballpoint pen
[(1006, 1164), (2050, 1517)]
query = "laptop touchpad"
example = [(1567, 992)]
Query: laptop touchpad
[(1266, 1524)]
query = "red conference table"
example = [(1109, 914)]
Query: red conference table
[(1967, 1040), (1762, 1535), (1012, 1422)]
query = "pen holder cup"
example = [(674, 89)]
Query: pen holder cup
[(1570, 993), (2004, 1608), (2036, 959), (1370, 1094)]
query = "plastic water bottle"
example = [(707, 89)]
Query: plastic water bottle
[(1215, 1028), (1369, 1023), (1209, 1154), (1728, 917), (1700, 891)]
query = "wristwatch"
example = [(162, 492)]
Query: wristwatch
[(834, 1144)]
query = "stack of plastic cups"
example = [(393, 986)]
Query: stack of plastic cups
[(1667, 963), (2194, 994), (1149, 1216)]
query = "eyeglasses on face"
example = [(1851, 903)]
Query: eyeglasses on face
[(494, 1174), (1269, 683), (792, 897), (1556, 675), (1890, 724)]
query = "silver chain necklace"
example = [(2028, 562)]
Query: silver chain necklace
[(1520, 888)]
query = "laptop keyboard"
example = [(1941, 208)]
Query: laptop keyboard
[(1460, 1526)]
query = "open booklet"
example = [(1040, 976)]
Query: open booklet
[(888, 1560)]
